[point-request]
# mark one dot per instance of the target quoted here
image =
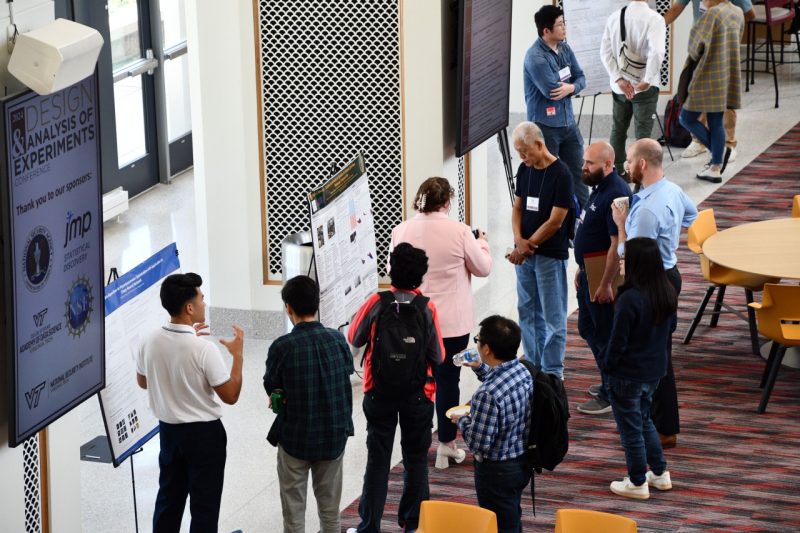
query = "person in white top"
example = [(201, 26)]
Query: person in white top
[(633, 64), (183, 373)]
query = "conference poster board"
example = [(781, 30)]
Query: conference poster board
[(586, 20), (483, 71), (52, 242), (343, 237), (133, 311)]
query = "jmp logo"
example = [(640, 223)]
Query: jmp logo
[(38, 318), (33, 396), (76, 226)]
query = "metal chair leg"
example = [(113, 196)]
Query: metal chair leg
[(718, 306), (751, 320), (699, 314), (773, 374), (748, 31), (774, 66), (773, 350)]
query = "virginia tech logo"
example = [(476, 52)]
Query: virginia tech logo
[(32, 397), (38, 260), (38, 318), (79, 306)]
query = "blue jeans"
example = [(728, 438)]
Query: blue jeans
[(416, 419), (712, 138), (567, 144), (499, 487), (448, 394), (542, 308), (631, 402), (594, 325)]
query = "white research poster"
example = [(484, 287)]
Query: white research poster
[(133, 311), (343, 234)]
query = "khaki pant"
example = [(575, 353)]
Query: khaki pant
[(327, 483), (728, 122)]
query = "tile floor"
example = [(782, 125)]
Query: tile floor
[(251, 497)]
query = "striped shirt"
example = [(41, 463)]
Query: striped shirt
[(496, 428)]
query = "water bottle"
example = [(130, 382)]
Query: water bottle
[(470, 355)]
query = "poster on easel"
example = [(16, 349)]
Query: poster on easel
[(343, 235), (586, 21), (133, 311)]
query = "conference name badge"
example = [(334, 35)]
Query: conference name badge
[(564, 74), (533, 203), (551, 111)]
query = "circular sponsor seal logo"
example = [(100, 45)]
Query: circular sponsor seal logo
[(79, 306), (38, 260)]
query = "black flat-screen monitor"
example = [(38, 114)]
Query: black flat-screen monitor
[(482, 71)]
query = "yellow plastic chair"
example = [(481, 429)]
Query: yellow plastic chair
[(796, 206), (583, 521), (447, 517), (779, 320), (719, 277)]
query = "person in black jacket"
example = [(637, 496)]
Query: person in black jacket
[(635, 360)]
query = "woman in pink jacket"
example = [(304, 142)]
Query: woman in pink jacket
[(454, 255)]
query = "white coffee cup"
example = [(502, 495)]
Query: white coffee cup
[(622, 202)]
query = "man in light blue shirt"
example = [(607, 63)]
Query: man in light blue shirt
[(551, 76), (658, 210)]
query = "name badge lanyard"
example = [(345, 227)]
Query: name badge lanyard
[(541, 186)]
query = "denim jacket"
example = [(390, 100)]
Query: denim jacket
[(541, 67)]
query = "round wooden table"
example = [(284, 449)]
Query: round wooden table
[(767, 248)]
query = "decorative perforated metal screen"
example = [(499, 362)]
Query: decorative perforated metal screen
[(32, 485), (662, 6), (330, 84), (461, 191)]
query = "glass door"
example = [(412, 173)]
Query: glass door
[(176, 85)]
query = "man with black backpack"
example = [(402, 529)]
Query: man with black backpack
[(495, 428), (405, 344)]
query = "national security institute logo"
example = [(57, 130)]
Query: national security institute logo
[(38, 260), (79, 307)]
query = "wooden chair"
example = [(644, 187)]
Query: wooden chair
[(583, 521), (770, 13), (446, 517), (720, 277), (779, 320), (796, 206)]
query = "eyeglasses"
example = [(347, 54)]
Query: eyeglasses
[(560, 25), (476, 339)]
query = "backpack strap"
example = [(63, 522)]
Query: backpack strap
[(534, 371), (622, 25), (386, 299)]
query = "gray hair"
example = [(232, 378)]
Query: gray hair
[(527, 133)]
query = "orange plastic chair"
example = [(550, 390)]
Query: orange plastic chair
[(796, 206), (446, 517), (583, 521), (779, 320), (704, 226)]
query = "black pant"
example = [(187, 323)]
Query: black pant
[(192, 462), (499, 486), (416, 420), (594, 325), (665, 400), (448, 394)]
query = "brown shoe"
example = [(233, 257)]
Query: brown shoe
[(668, 441)]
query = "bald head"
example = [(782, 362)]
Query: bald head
[(650, 151), (600, 152), (598, 162)]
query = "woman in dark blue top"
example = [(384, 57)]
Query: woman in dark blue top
[(635, 360)]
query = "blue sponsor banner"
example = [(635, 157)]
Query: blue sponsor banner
[(141, 278)]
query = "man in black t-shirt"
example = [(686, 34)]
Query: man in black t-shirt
[(596, 236), (543, 200)]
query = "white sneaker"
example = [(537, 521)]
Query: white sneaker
[(445, 452), (693, 150), (732, 157), (629, 490), (707, 174), (352, 530), (662, 482)]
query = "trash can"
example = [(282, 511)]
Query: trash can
[(297, 253)]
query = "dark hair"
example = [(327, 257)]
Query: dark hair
[(407, 265), (644, 270), (546, 18), (177, 290), (502, 335), (302, 293), (433, 194)]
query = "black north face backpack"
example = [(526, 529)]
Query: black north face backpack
[(399, 367)]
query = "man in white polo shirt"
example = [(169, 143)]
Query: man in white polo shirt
[(182, 372)]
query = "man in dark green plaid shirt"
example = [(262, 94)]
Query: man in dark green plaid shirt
[(312, 366)]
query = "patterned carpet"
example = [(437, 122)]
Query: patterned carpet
[(733, 470)]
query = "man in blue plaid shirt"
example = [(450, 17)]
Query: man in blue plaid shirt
[(312, 365), (495, 429)]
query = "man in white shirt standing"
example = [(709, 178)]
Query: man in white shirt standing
[(632, 54), (182, 372)]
